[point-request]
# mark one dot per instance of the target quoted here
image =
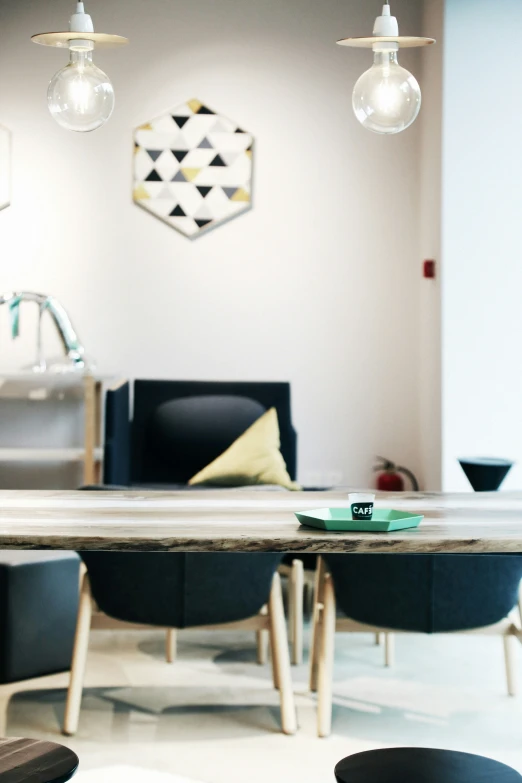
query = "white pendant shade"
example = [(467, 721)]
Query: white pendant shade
[(63, 40), (403, 41)]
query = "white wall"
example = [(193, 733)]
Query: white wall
[(318, 284), (430, 245), (482, 240)]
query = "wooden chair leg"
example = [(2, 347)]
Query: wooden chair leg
[(281, 657), (389, 649), (4, 705), (317, 616), (326, 660), (297, 621), (291, 604), (171, 645), (262, 641), (510, 655), (379, 639), (79, 658), (273, 657), (273, 662)]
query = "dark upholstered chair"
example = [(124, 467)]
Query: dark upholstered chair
[(38, 604), (411, 593), (179, 427), (175, 590)]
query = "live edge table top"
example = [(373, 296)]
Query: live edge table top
[(250, 521)]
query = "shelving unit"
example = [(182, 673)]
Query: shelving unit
[(46, 455), (47, 386)]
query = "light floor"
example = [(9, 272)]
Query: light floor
[(213, 715)]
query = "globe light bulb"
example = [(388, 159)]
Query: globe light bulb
[(80, 96), (386, 98)]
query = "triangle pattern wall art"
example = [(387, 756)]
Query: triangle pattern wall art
[(193, 168)]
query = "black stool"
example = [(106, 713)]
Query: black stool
[(34, 761), (422, 765)]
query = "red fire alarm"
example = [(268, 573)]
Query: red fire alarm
[(429, 269)]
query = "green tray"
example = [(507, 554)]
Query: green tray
[(384, 520)]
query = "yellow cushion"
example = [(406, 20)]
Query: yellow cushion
[(254, 458)]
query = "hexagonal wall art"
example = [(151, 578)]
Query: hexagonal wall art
[(193, 168), (5, 167)]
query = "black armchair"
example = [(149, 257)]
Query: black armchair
[(179, 427), (411, 593), (173, 590), (426, 593)]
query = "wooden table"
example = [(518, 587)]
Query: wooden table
[(249, 521)]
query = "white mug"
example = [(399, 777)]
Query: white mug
[(361, 504)]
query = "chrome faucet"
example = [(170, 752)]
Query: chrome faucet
[(76, 358)]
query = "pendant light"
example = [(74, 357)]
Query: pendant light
[(386, 98), (80, 96)]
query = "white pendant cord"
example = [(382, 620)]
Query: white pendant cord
[(80, 22), (386, 25)]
